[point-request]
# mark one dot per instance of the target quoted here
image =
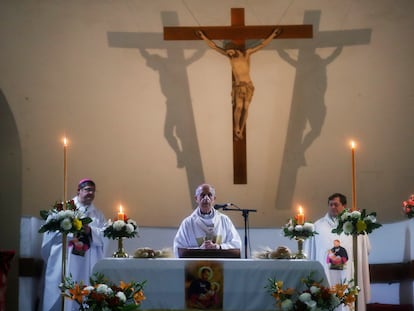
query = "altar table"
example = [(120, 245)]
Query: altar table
[(244, 279)]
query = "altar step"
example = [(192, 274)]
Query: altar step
[(388, 307)]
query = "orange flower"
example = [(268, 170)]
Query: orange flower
[(289, 291), (276, 296), (77, 293), (350, 299), (139, 296), (339, 289), (124, 286)]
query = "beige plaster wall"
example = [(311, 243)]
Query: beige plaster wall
[(101, 73)]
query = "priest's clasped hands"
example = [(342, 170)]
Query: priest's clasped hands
[(209, 244)]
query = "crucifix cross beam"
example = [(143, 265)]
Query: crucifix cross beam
[(238, 33)]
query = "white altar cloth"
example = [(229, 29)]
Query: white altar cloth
[(244, 279)]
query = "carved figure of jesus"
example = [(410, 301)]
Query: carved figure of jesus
[(243, 88)]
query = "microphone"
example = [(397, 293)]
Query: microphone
[(218, 206)]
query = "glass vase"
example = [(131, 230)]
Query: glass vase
[(300, 254), (120, 253)]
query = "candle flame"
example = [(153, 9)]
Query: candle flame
[(353, 145), (65, 141), (300, 210), (120, 208)]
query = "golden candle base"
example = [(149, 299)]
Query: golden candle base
[(300, 254), (120, 253)]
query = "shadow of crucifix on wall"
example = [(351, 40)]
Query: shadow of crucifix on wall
[(179, 125), (308, 108)]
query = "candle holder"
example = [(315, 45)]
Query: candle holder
[(120, 230), (300, 254), (299, 232), (120, 253)]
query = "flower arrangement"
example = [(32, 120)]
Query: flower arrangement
[(315, 296), (408, 207), (295, 230), (64, 219), (102, 295), (122, 228), (356, 222)]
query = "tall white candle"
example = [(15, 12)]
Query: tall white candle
[(353, 177), (65, 171)]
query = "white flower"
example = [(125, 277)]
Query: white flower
[(121, 296), (89, 289), (132, 222), (308, 226), (101, 289), (311, 304), (50, 217), (54, 216), (65, 214), (290, 228), (345, 215), (66, 224), (287, 305), (118, 225), (371, 218), (304, 297), (104, 289), (348, 227), (60, 215), (314, 289), (299, 228), (129, 228), (356, 214)]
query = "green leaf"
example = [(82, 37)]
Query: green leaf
[(44, 214)]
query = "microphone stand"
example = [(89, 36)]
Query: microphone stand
[(245, 213)]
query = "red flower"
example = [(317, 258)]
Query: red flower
[(408, 207), (97, 297)]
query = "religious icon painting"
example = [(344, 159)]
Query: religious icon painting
[(337, 256), (204, 285)]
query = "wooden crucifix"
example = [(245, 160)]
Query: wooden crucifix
[(238, 33)]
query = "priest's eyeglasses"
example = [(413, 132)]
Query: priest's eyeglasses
[(88, 189)]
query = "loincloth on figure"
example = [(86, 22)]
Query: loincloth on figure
[(243, 90)]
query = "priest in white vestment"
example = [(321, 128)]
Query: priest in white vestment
[(319, 246), (79, 265), (206, 228)]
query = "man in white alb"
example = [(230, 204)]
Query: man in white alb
[(206, 228), (319, 246), (80, 260)]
